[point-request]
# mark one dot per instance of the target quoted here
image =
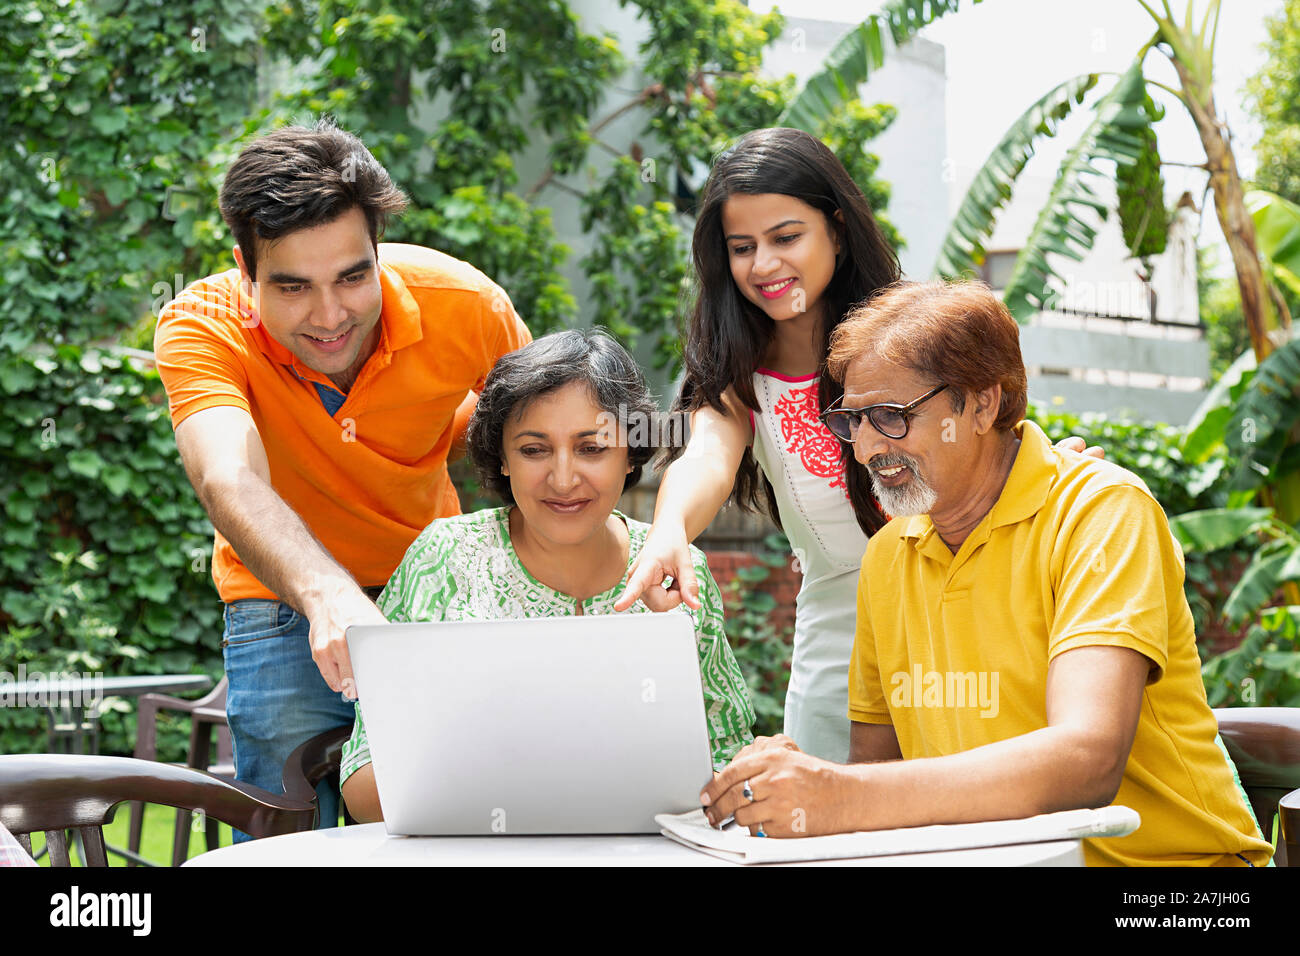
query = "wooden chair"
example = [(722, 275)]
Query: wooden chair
[(59, 792), (313, 762), (1289, 810), (206, 715), (1265, 745)]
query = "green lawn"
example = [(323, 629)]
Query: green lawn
[(155, 839)]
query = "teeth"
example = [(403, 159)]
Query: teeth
[(775, 287), (335, 339), (889, 472)]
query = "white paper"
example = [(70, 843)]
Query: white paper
[(734, 843)]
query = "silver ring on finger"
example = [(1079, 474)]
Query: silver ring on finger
[(746, 792)]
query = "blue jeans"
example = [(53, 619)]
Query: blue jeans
[(277, 698)]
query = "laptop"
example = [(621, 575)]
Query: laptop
[(573, 725)]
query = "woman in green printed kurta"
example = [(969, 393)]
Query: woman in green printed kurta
[(545, 438)]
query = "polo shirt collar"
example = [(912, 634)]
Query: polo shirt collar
[(401, 313), (1022, 496), (399, 320)]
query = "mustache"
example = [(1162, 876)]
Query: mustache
[(893, 460)]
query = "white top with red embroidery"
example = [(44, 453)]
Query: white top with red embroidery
[(801, 458)]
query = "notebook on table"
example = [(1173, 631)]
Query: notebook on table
[(734, 843)]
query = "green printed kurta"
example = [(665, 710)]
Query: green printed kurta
[(465, 569)]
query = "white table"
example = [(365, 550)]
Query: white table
[(370, 845)]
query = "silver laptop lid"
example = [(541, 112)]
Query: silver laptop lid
[(551, 725)]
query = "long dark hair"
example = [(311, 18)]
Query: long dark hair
[(728, 335)]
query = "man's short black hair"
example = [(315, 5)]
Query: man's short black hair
[(297, 178)]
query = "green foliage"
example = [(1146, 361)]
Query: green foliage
[(120, 115), (1277, 231), (1151, 451), (1262, 671), (104, 549), (847, 131), (1225, 326), (762, 653), (963, 247), (1205, 431), (857, 55), (506, 72), (1154, 453), (111, 118), (1259, 431), (1272, 548), (1275, 100), (1065, 226), (700, 60)]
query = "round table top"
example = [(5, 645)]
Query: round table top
[(128, 686), (370, 845)]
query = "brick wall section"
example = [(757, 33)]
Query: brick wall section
[(782, 583)]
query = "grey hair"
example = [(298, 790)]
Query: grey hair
[(589, 356)]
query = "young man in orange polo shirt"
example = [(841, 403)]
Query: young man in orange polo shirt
[(317, 392)]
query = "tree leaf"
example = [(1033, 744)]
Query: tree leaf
[(85, 462), (1217, 528), (1257, 586)]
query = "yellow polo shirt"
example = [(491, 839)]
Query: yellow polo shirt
[(952, 650)]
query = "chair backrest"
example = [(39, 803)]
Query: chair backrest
[(313, 761), (58, 792), (1289, 809), (1265, 745)]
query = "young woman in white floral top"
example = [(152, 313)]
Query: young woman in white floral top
[(544, 437)]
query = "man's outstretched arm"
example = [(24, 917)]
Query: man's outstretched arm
[(226, 463)]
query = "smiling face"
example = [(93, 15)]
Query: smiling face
[(928, 467), (782, 252), (565, 467), (318, 295)]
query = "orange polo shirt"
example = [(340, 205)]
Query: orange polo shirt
[(368, 479)]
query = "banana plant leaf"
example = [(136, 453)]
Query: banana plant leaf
[(963, 248), (1217, 528), (1277, 231), (1067, 225), (1260, 581), (1262, 418), (856, 56), (1206, 429)]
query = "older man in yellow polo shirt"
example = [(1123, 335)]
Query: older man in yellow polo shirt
[(1023, 642)]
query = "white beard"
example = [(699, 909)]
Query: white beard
[(914, 498)]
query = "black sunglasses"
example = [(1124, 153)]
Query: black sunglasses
[(888, 418)]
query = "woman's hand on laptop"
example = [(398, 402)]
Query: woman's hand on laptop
[(330, 620)]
